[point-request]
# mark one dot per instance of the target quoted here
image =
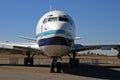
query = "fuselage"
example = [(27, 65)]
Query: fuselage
[(55, 33)]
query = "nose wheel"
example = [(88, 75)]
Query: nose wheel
[(55, 66)]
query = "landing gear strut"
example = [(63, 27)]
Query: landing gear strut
[(29, 59), (74, 62), (55, 64)]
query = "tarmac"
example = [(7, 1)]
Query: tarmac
[(85, 71), (35, 73)]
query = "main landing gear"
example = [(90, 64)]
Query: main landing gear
[(74, 62), (29, 59), (55, 64)]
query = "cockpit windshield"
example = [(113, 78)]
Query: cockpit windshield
[(63, 19), (51, 19)]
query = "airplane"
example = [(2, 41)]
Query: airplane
[(55, 37)]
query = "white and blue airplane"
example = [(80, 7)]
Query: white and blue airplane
[(55, 37)]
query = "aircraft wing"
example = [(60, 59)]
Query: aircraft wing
[(84, 47), (20, 46)]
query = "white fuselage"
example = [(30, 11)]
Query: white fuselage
[(55, 33)]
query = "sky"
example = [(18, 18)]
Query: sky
[(97, 21)]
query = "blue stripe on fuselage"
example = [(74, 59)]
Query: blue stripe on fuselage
[(56, 41), (54, 32)]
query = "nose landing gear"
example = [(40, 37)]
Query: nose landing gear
[(55, 64)]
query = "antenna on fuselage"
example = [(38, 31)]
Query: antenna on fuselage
[(50, 5)]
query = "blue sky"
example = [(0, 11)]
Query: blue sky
[(97, 21)]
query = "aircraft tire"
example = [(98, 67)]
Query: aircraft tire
[(71, 62), (58, 66), (74, 62), (52, 67), (25, 61), (31, 61)]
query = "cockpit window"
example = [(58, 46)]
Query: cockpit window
[(63, 19), (52, 19), (45, 20), (49, 19)]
